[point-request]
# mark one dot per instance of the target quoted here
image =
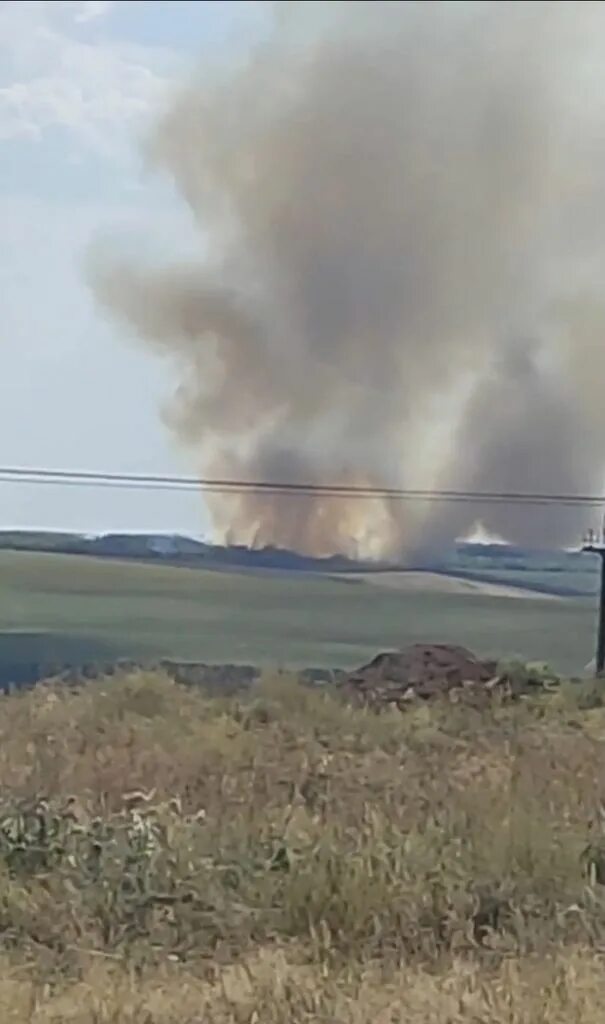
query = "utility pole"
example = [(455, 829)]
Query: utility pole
[(595, 544)]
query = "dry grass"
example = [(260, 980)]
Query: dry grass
[(165, 857), (268, 989)]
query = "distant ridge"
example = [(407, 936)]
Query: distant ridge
[(174, 549), (566, 573)]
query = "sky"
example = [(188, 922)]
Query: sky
[(81, 84)]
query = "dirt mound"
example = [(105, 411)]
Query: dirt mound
[(424, 671)]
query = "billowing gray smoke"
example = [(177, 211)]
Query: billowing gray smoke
[(401, 266)]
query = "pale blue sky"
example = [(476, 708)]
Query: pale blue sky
[(80, 82)]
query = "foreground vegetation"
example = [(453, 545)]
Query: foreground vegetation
[(168, 858)]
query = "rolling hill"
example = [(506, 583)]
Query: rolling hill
[(56, 609)]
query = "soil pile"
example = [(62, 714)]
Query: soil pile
[(425, 671)]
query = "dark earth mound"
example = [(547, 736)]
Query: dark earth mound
[(425, 671)]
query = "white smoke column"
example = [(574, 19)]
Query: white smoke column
[(390, 197)]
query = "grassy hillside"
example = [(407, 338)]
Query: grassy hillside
[(167, 859), (563, 572), (58, 607)]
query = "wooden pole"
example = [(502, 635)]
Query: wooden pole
[(600, 660), (596, 545)]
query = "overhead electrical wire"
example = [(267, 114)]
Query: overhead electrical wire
[(148, 482)]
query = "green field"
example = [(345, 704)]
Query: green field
[(69, 609)]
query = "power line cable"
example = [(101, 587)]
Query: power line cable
[(134, 481)]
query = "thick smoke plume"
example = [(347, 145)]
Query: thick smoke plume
[(401, 268)]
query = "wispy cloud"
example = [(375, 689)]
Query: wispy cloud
[(55, 76), (88, 10)]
